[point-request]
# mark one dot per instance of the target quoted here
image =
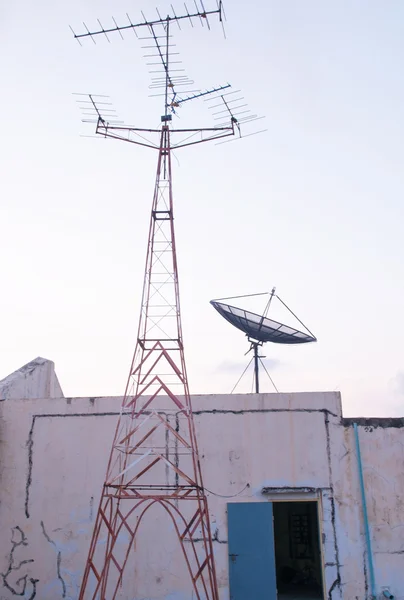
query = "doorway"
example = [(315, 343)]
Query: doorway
[(274, 551), (298, 561)]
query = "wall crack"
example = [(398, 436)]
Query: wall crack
[(30, 446), (58, 559)]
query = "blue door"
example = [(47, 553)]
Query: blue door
[(251, 551)]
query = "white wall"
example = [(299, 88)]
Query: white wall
[(53, 455), (36, 379)]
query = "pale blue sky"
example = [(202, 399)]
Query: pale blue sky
[(313, 206)]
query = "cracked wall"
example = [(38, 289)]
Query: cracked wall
[(253, 448)]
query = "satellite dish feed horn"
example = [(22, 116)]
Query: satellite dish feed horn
[(259, 329)]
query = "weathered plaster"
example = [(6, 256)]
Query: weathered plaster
[(252, 447), (36, 379)]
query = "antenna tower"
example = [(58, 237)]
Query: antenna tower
[(154, 461)]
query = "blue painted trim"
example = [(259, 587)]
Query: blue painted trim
[(365, 514)]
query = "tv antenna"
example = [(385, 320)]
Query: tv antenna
[(259, 330), (154, 461)]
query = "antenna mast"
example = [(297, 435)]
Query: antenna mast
[(154, 465)]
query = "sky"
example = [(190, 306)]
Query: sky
[(313, 206)]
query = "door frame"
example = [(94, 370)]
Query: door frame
[(303, 495)]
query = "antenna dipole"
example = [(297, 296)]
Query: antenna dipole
[(163, 51), (154, 465)]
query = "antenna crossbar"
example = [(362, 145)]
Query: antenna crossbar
[(198, 14), (187, 137), (199, 95)]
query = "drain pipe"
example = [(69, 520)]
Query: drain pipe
[(365, 514)]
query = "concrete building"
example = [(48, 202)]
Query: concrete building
[(282, 476)]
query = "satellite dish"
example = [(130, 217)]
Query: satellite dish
[(259, 329)]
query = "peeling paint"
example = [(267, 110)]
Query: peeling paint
[(374, 422), (215, 538), (91, 515), (217, 411), (20, 586), (336, 583), (287, 489), (365, 574)]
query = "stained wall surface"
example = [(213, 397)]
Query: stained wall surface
[(254, 448)]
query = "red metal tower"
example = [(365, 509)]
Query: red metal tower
[(154, 459)]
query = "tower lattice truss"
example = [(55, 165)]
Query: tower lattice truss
[(154, 458), (154, 465)]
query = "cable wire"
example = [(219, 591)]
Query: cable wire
[(242, 375), (270, 378), (296, 317), (244, 296), (247, 485)]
